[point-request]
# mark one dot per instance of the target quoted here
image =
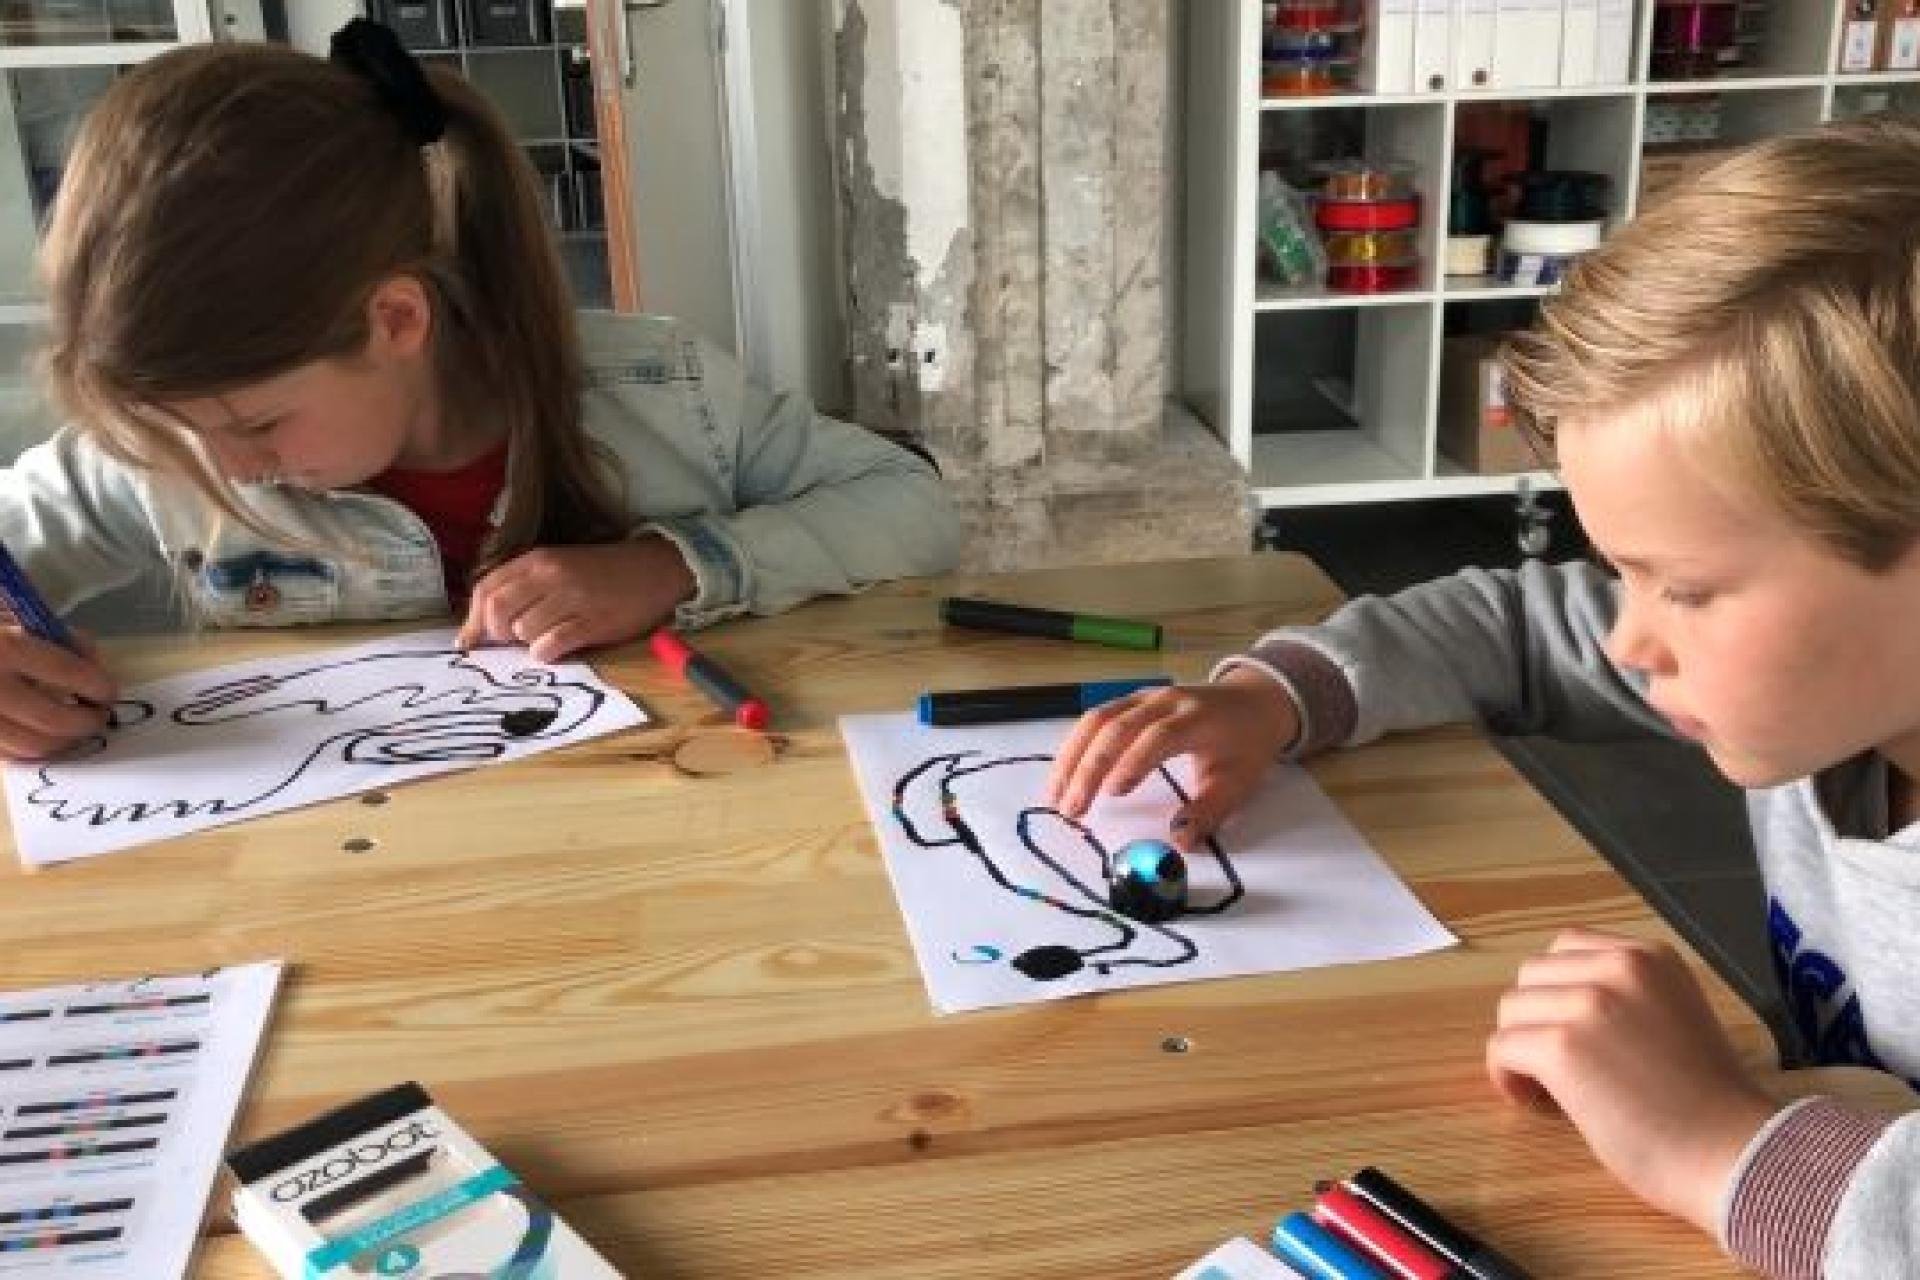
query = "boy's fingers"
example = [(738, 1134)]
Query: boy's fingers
[(1550, 1006), (1214, 801), (1156, 743), (1194, 824), (1579, 938), (1138, 717), (1505, 1050), (1189, 827), (1066, 762)]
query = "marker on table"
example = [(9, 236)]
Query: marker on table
[(1379, 1237), (1318, 1254), (28, 607), (993, 615), (710, 678), (1026, 701), (1421, 1221)]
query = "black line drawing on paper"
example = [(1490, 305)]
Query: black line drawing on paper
[(1054, 862), (432, 706)]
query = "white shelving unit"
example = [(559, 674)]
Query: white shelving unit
[(1332, 398), (55, 58)]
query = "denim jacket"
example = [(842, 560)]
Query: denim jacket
[(769, 502)]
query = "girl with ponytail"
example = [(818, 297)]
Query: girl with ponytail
[(314, 341)]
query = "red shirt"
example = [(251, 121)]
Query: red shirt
[(455, 506)]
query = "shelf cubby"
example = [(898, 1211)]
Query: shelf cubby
[(1329, 398)]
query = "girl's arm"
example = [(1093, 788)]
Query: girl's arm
[(76, 520), (823, 507)]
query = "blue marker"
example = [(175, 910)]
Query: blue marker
[(1027, 701), (28, 608), (1318, 1254)]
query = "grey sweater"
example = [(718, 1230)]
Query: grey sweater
[(1824, 1189)]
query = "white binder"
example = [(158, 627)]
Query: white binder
[(1613, 43), (1473, 43), (1579, 34), (1432, 45), (1526, 44), (1389, 63)]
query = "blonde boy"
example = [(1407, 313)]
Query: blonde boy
[(1733, 387)]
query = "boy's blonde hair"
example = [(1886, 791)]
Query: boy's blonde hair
[(226, 214), (1770, 314)]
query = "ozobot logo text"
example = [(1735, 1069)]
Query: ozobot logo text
[(361, 1155)]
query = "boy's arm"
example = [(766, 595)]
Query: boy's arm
[(1826, 1190), (1521, 651), (824, 507), (75, 520)]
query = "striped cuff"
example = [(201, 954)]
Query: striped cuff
[(1319, 690), (1787, 1189)]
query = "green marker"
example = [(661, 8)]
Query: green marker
[(992, 615)]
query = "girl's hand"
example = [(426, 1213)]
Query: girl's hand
[(50, 697), (559, 600), (1620, 1036), (1234, 729)]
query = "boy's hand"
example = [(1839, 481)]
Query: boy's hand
[(50, 697), (1618, 1033), (1234, 729), (559, 600)]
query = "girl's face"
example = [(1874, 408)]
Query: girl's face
[(326, 425), (1777, 655), (332, 424)]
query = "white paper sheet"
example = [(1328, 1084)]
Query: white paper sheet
[(116, 1101), (253, 738), (1014, 889)]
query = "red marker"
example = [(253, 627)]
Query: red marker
[(710, 678), (1377, 1236)]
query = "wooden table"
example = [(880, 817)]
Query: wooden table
[(663, 977)]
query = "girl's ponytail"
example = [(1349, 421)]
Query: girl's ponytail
[(514, 350)]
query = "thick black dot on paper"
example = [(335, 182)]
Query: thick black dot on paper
[(527, 721), (1044, 964)]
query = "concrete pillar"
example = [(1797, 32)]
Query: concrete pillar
[(1004, 201)]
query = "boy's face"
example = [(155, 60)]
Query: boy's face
[(1777, 655)]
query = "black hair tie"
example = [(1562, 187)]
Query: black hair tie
[(376, 55)]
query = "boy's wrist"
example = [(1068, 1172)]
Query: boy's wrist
[(1279, 716), (1713, 1155)]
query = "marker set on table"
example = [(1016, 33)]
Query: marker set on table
[(1366, 1228), (1036, 701), (957, 706)]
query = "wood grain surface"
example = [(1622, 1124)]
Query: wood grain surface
[(664, 978)]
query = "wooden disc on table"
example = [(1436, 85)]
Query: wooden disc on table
[(707, 753)]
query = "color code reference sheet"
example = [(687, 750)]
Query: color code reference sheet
[(116, 1100)]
